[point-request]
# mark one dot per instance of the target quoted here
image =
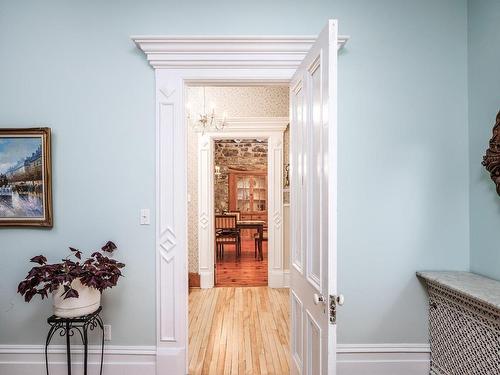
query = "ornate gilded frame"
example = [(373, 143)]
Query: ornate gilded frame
[(47, 219), (491, 160)]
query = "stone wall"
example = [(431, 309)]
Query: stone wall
[(245, 155)]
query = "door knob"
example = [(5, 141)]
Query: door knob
[(318, 298), (340, 300)]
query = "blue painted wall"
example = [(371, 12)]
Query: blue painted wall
[(403, 194), (484, 104)]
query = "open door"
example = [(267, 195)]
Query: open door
[(313, 111)]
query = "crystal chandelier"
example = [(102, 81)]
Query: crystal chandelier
[(207, 121)]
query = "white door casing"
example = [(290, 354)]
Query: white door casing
[(272, 130), (313, 200), (177, 60)]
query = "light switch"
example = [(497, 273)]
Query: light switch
[(145, 216)]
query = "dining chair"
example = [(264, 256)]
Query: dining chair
[(227, 233), (236, 213), (257, 238)]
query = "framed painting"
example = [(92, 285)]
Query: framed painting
[(25, 177)]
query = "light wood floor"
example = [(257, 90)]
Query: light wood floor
[(238, 331), (245, 271)]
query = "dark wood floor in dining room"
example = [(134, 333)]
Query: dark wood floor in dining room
[(247, 271)]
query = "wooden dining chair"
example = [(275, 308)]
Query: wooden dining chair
[(257, 238), (227, 233), (236, 213)]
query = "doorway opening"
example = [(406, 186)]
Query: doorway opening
[(238, 230), (255, 168), (240, 206)]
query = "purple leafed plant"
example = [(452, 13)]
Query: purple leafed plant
[(97, 271)]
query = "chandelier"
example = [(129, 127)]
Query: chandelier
[(207, 121)]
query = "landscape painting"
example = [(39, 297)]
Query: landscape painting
[(25, 177)]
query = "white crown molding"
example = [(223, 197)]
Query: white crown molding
[(170, 52), (250, 124)]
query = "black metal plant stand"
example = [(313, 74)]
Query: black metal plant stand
[(67, 327)]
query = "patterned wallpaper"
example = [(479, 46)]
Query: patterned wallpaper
[(251, 101)]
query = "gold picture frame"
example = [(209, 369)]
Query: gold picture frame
[(25, 177)]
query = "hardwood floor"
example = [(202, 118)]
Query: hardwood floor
[(239, 331), (247, 271)]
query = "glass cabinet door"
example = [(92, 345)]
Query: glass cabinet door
[(243, 193), (249, 193), (259, 193)]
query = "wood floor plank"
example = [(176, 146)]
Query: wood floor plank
[(262, 307), (229, 341), (212, 333), (235, 334), (239, 331), (198, 346)]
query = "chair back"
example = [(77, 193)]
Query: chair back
[(225, 221), (234, 213)]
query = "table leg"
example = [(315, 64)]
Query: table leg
[(261, 239), (68, 347)]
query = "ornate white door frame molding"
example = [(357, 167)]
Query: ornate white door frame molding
[(268, 128), (178, 60)]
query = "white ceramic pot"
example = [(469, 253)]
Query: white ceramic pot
[(88, 301)]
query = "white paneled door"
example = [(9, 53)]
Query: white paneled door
[(313, 110)]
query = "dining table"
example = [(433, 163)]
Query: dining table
[(254, 224)]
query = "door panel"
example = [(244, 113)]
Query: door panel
[(314, 78), (313, 339), (297, 175), (297, 343), (313, 206)]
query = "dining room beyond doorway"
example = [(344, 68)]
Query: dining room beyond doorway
[(241, 212)]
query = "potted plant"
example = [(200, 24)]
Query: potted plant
[(75, 284)]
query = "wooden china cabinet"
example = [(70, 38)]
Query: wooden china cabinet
[(248, 194)]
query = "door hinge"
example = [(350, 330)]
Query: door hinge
[(332, 303)]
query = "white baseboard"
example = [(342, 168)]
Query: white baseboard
[(383, 359), (206, 279), (119, 360), (286, 279), (279, 279), (352, 359), (171, 361)]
